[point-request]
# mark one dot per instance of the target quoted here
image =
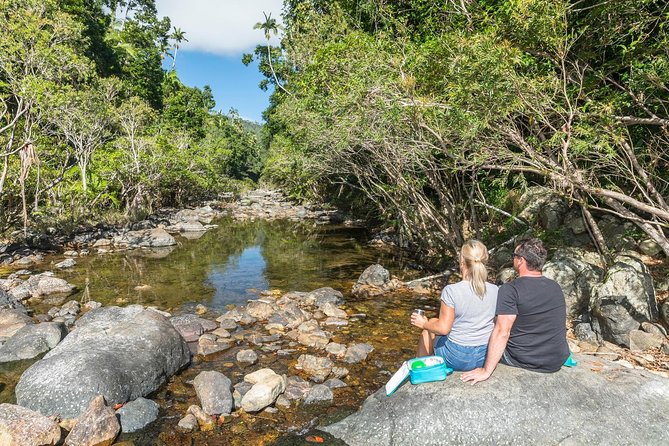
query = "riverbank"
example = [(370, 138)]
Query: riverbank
[(377, 310)]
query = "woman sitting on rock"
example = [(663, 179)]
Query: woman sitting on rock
[(466, 317)]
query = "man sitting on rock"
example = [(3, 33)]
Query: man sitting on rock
[(530, 328)]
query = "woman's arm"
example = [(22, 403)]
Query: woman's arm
[(439, 326)]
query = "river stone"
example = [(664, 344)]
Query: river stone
[(260, 310), (375, 275), (318, 394), (316, 367), (205, 421), (338, 350), (221, 333), (240, 390), (12, 321), (188, 423), (339, 372), (137, 414), (41, 285), (67, 263), (282, 402), (642, 341), (23, 427), (191, 326), (247, 356), (213, 391), (208, 344), (331, 310), (334, 383), (296, 391), (317, 339), (149, 238), (357, 353), (259, 376), (9, 302), (592, 402), (322, 296), (71, 308), (228, 324), (32, 340), (97, 426), (263, 393), (121, 353)]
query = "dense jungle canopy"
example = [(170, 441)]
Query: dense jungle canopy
[(428, 116), (433, 114)]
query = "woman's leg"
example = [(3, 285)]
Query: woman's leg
[(425, 344)]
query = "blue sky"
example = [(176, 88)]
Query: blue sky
[(218, 33), (234, 84)]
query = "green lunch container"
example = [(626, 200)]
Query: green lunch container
[(427, 369)]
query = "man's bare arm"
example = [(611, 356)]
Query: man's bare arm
[(496, 346)]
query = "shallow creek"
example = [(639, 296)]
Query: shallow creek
[(227, 266)]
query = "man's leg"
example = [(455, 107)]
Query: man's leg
[(425, 344)]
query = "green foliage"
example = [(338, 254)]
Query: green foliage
[(90, 123), (422, 109)]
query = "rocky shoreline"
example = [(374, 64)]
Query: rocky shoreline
[(101, 363), (158, 229)]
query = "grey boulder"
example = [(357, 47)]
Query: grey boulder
[(213, 391), (41, 285), (121, 353), (571, 407), (576, 276), (319, 393), (8, 301), (624, 300), (375, 275), (32, 340), (137, 414), (148, 238)]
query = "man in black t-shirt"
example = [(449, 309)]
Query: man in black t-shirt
[(530, 330)]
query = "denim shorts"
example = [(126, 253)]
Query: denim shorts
[(460, 357)]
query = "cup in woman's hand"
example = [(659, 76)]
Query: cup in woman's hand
[(419, 312)]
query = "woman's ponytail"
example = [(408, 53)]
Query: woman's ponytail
[(474, 255)]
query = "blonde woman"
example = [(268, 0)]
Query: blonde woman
[(461, 332)]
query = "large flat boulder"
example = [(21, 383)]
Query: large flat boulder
[(120, 353), (597, 402)]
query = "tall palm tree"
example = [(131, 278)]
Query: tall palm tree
[(269, 27), (178, 36)]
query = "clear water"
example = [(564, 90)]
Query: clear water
[(229, 265)]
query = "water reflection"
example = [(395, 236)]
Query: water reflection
[(239, 279), (230, 264)]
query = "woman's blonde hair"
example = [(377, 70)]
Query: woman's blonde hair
[(474, 256)]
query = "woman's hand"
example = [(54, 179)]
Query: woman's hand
[(418, 320)]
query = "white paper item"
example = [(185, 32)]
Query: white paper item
[(397, 379)]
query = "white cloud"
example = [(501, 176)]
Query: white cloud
[(220, 26)]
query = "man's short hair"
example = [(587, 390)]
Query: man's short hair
[(534, 253)]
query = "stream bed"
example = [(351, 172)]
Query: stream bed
[(228, 266)]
